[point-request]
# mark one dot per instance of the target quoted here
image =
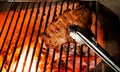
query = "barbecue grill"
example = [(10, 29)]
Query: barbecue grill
[(21, 48)]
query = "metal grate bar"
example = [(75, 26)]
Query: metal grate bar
[(67, 4), (61, 50), (88, 68), (5, 57), (53, 56), (6, 19), (74, 60), (45, 64), (81, 53), (46, 59), (28, 24), (35, 41), (73, 5), (67, 55), (16, 43), (39, 56), (48, 16), (8, 28), (31, 36), (55, 11), (61, 8), (81, 3), (75, 47)]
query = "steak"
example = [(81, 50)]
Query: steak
[(57, 32)]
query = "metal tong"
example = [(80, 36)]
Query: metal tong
[(85, 36)]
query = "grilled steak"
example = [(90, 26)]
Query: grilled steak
[(57, 32)]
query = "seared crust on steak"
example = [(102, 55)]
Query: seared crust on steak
[(57, 32)]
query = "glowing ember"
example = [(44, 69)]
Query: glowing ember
[(27, 65), (22, 60)]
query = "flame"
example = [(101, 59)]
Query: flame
[(24, 67), (27, 64), (29, 57), (28, 60), (21, 61)]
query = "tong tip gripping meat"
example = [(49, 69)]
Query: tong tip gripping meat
[(74, 29)]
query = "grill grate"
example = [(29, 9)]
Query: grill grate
[(20, 49)]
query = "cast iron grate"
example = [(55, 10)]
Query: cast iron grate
[(23, 24)]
